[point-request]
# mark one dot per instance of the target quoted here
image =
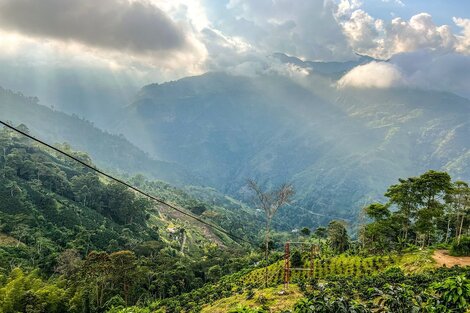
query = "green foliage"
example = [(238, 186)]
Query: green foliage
[(426, 210), (85, 244), (324, 304), (391, 291), (338, 236), (296, 259), (109, 246), (453, 294), (29, 293), (461, 248), (128, 310)]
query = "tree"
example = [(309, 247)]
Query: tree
[(431, 190), (214, 272), (321, 232), (338, 236), (305, 231), (380, 234), (88, 190), (96, 270), (270, 202), (68, 263), (124, 270), (404, 196), (378, 211), (459, 198)]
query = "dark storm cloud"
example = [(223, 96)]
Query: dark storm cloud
[(111, 24)]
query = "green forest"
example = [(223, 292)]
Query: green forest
[(74, 241)]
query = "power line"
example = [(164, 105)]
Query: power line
[(126, 184)]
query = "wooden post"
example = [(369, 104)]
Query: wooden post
[(286, 265)]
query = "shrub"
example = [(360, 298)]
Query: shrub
[(462, 248), (454, 294)]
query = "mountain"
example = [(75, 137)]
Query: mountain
[(340, 147), (113, 152), (59, 219)]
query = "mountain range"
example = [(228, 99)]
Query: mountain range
[(340, 147)]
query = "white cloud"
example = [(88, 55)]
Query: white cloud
[(307, 29), (463, 45), (374, 37), (346, 7), (372, 75), (423, 69), (419, 32), (363, 30)]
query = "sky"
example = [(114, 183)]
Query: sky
[(119, 45)]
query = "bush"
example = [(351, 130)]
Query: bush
[(462, 248), (454, 294)]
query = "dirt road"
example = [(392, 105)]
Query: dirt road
[(442, 258)]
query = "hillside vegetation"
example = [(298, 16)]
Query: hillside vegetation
[(109, 151), (73, 241)]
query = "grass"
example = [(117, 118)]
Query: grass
[(417, 262), (274, 298)]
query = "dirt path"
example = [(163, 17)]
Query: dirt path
[(442, 258)]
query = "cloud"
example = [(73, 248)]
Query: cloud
[(372, 75), (132, 34), (431, 70), (463, 45), (165, 40), (419, 32), (374, 37), (307, 29), (346, 7), (110, 24), (363, 31), (423, 69)]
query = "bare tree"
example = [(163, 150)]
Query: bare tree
[(270, 202)]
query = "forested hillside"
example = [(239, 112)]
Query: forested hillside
[(73, 241), (113, 152)]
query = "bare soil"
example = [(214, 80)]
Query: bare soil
[(442, 258)]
